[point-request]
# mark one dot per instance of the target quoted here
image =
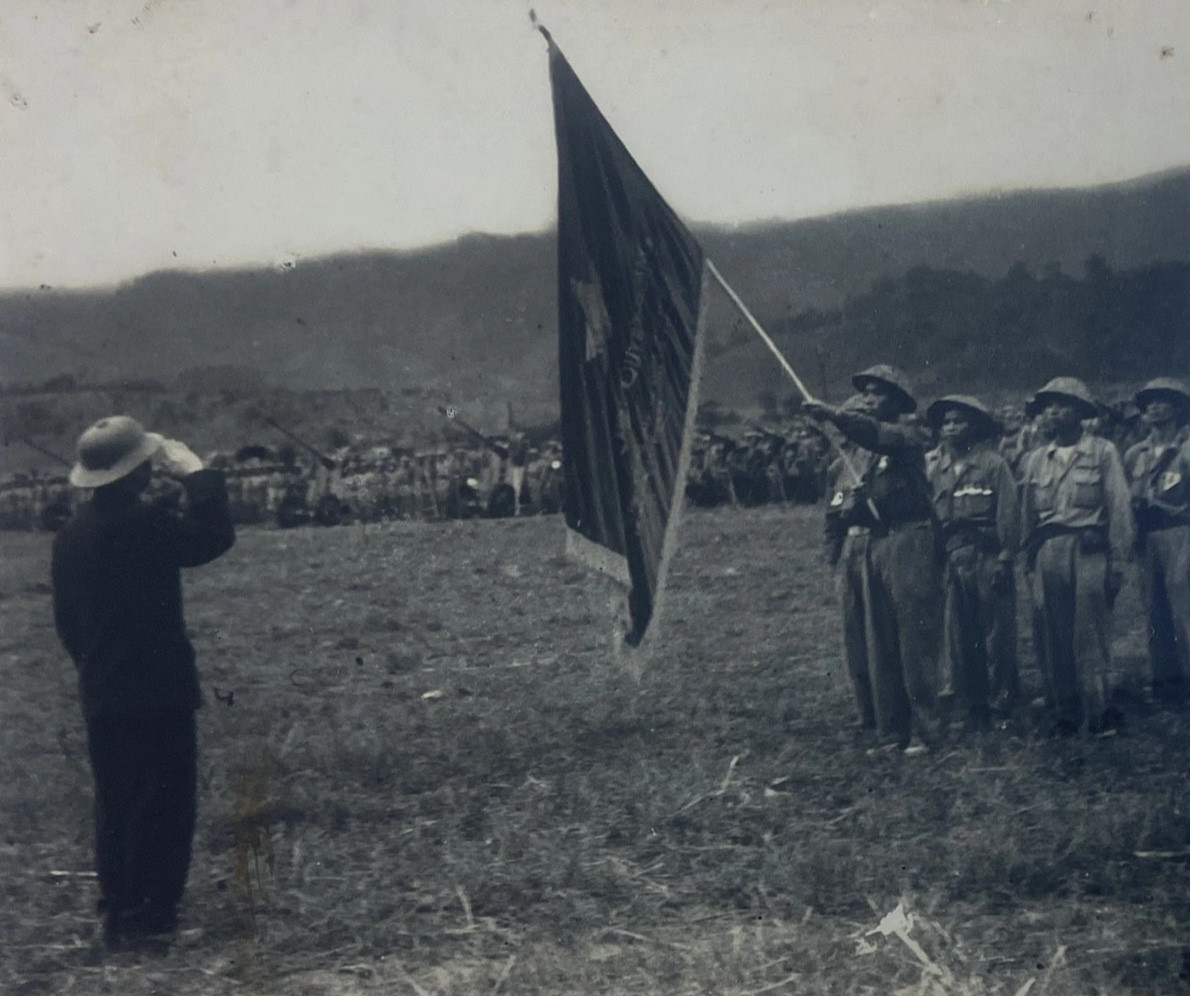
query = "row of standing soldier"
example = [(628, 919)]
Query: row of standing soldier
[(267, 487), (926, 538), (767, 467), (505, 478)]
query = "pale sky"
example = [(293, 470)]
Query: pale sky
[(137, 136)]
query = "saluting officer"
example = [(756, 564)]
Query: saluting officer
[(901, 583), (117, 596), (975, 503), (1076, 523), (1159, 470)]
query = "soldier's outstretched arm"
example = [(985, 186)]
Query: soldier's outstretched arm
[(885, 438)]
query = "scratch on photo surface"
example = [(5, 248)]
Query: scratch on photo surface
[(13, 93), (146, 13)]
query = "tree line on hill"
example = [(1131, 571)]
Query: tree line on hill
[(950, 329), (970, 331)]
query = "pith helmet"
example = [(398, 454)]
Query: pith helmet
[(1068, 389), (892, 378), (1165, 389), (985, 423), (110, 449)]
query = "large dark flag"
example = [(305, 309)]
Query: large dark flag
[(631, 283)]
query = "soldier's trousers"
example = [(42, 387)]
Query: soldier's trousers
[(902, 629), (1165, 588), (1070, 597), (980, 634), (849, 585), (145, 767)]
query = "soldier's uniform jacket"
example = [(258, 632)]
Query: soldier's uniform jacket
[(1160, 480), (975, 498), (1088, 493), (117, 595), (841, 487), (891, 465)]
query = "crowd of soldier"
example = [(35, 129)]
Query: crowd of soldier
[(929, 519), (35, 502), (786, 465), (380, 484), (767, 467)]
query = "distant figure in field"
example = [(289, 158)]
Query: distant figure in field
[(118, 609), (1077, 527), (899, 569), (1158, 468), (975, 503)]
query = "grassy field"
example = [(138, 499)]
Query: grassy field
[(426, 771)]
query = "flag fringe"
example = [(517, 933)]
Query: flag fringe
[(598, 558)]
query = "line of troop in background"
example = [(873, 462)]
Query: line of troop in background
[(928, 518), (782, 462), (506, 477)]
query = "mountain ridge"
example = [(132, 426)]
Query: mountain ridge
[(474, 318)]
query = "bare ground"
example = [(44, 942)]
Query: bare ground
[(435, 776)]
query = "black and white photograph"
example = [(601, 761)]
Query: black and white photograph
[(627, 497)]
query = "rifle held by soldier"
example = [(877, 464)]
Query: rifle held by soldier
[(451, 415), (322, 458)]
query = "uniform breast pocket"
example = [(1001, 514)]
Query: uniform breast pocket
[(1087, 488), (1043, 495), (974, 501)]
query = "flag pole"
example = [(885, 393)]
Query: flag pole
[(768, 341), (743, 308)]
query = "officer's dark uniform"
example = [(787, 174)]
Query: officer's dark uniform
[(118, 609)]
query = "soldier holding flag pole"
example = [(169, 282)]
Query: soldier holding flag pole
[(899, 572), (847, 548)]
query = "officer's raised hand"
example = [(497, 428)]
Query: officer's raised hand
[(819, 410)]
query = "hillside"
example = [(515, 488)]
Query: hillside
[(474, 320)]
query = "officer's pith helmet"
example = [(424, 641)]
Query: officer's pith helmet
[(1166, 389), (889, 377), (110, 449), (1067, 389)]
